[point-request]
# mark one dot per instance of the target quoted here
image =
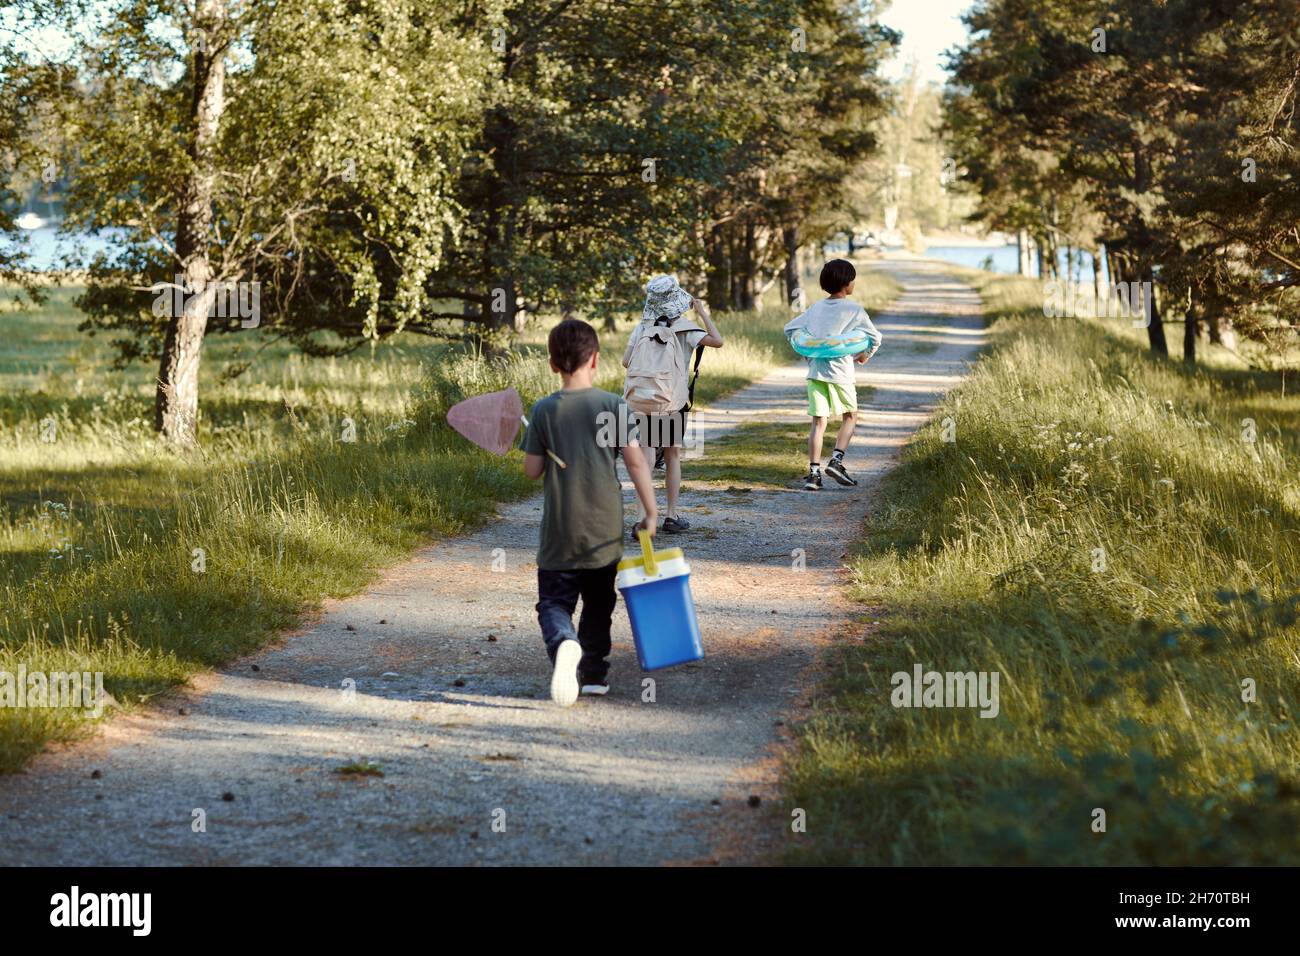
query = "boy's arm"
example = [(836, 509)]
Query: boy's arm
[(534, 447), (714, 338), (864, 322), (631, 341), (796, 324), (638, 469)]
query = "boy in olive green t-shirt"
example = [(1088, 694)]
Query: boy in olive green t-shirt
[(581, 537)]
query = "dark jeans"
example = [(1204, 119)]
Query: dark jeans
[(557, 598)]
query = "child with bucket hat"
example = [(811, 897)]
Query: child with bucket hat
[(658, 384)]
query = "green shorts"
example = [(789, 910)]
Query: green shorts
[(830, 399)]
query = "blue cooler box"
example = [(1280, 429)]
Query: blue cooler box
[(656, 586)]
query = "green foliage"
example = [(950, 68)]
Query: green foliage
[(618, 134), (338, 151), (791, 179)]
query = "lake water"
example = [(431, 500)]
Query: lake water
[(1004, 259), (48, 249)]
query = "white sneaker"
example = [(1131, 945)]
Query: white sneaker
[(564, 679)]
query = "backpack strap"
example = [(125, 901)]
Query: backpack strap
[(690, 391)]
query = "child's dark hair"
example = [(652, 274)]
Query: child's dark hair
[(836, 274), (571, 345)]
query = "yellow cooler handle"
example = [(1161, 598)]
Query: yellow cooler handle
[(647, 553)]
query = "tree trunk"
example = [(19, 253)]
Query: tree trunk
[(503, 310), (1156, 330), (1190, 326), (515, 316), (1221, 330), (737, 266), (790, 239), (176, 402), (502, 133), (733, 286), (1023, 253), (1227, 334), (747, 270), (1217, 324), (1122, 274), (1142, 235), (1096, 279), (717, 278)]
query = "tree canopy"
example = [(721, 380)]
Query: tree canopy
[(1166, 131)]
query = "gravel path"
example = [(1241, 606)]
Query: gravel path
[(451, 685)]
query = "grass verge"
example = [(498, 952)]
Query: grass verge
[(1118, 539)]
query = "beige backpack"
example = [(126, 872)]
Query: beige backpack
[(656, 371)]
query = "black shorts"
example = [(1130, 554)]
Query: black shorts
[(662, 431)]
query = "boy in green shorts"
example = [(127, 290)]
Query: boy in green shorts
[(832, 388)]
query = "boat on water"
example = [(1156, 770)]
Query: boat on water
[(29, 220)]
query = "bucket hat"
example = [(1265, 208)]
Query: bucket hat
[(663, 296)]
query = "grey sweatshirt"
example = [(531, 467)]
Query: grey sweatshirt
[(833, 317)]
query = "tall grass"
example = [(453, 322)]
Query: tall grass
[(117, 556), (1105, 535)]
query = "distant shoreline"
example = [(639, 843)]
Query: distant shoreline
[(972, 242)]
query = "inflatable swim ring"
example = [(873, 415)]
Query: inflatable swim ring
[(833, 346)]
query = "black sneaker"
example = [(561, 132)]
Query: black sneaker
[(593, 688), (812, 481), (660, 465), (837, 471), (675, 525)]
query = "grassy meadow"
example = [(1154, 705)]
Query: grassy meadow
[(1119, 538), (117, 555)]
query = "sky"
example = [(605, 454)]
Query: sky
[(929, 27)]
